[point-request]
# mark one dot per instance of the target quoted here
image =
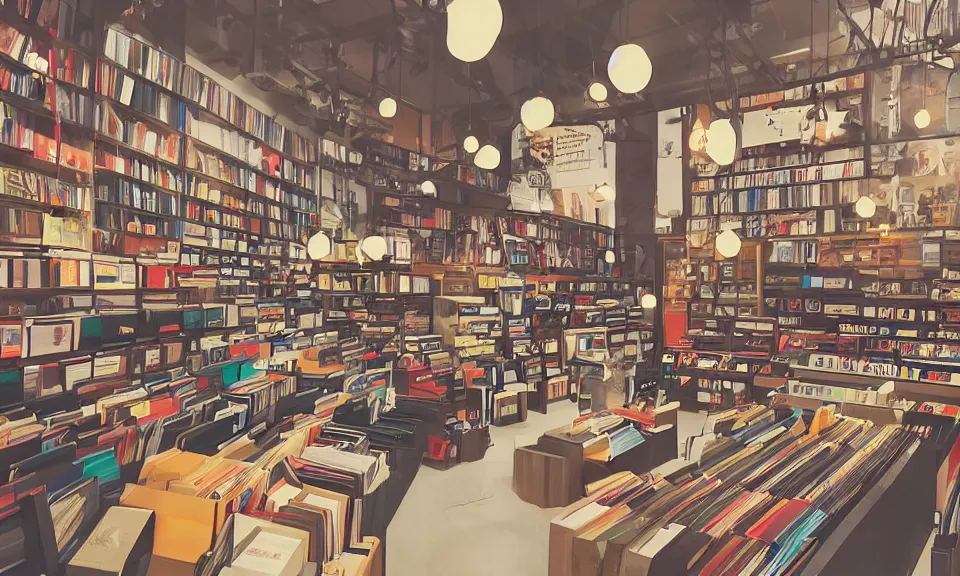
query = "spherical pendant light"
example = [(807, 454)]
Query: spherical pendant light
[(605, 192), (629, 68), (487, 158), (865, 207), (537, 113), (388, 107), (648, 301), (373, 248), (609, 257), (722, 142), (728, 244), (921, 119), (471, 144), (597, 92), (319, 246), (428, 188), (473, 27)]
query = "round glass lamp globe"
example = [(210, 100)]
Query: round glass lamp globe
[(597, 92), (722, 142), (428, 188), (728, 244), (629, 68), (373, 247), (648, 301), (487, 158), (473, 27), (605, 192), (319, 246), (921, 119), (471, 144), (388, 107), (609, 257), (537, 113), (865, 207)]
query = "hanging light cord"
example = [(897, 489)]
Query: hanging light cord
[(726, 75), (923, 87), (539, 48), (593, 62), (469, 101)]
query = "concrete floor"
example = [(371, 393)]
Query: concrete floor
[(467, 520)]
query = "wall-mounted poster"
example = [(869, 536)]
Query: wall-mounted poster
[(919, 183), (569, 162), (573, 156)]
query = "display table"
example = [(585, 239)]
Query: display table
[(553, 472)]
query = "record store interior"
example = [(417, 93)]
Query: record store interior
[(479, 287)]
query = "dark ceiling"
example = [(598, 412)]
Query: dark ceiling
[(310, 48)]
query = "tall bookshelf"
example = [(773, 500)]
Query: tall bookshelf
[(843, 293), (146, 212), (246, 187)]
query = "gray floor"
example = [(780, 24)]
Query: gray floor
[(467, 521)]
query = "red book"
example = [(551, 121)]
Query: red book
[(773, 523)]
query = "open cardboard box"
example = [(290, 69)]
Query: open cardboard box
[(185, 527)]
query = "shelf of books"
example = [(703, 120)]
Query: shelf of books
[(846, 291), (136, 192), (452, 234), (242, 200)]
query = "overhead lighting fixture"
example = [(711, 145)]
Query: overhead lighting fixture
[(372, 248), (609, 257), (922, 118), (487, 157), (388, 107), (629, 68), (471, 144), (537, 113), (597, 92), (605, 192), (722, 142), (728, 243), (648, 301), (865, 207), (319, 246), (428, 188), (473, 27)]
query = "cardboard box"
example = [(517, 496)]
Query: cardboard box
[(158, 471), (121, 543), (166, 474), (474, 444), (255, 547), (364, 559), (541, 478), (264, 552), (560, 559), (185, 526)]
